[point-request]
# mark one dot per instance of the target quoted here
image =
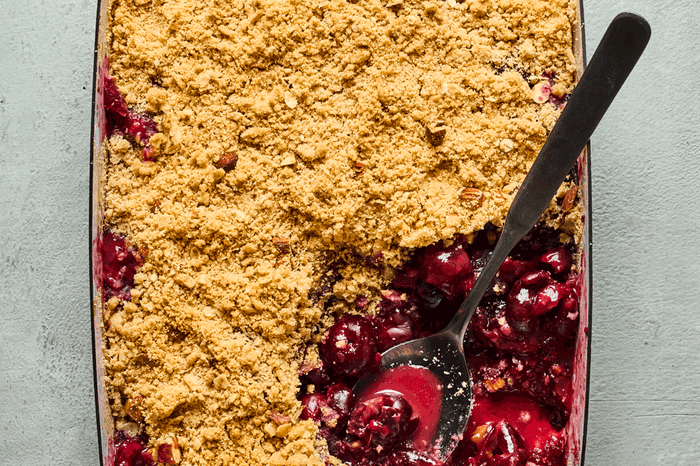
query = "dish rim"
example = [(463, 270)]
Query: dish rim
[(93, 222)]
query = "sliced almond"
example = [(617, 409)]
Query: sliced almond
[(288, 160), (134, 408), (184, 280), (290, 100), (569, 199), (169, 451), (541, 92)]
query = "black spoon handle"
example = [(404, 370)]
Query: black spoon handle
[(613, 60)]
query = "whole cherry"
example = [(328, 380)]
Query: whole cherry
[(375, 427), (341, 399), (535, 294), (349, 348), (314, 404), (449, 269), (132, 451)]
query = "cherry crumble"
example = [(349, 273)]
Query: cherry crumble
[(287, 185)]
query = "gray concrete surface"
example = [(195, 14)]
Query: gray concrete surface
[(645, 379)]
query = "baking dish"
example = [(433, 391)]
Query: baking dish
[(576, 430)]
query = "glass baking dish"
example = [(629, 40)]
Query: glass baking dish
[(576, 429)]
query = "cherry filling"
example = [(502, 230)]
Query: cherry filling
[(520, 347), (116, 263), (376, 425), (122, 121), (449, 269), (349, 348), (498, 444), (510, 427), (131, 451)]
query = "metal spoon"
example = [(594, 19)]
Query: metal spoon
[(443, 353)]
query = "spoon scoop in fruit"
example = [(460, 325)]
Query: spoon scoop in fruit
[(443, 353)]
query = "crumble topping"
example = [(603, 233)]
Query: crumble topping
[(361, 130)]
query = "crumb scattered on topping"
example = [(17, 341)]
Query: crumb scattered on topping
[(293, 134)]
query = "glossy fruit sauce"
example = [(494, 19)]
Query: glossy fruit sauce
[(420, 389), (520, 347)]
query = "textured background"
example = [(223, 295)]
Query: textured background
[(645, 378)]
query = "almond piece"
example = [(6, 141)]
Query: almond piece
[(436, 136), (569, 199), (480, 433), (227, 162), (282, 244), (169, 452), (290, 100), (541, 92), (134, 408)]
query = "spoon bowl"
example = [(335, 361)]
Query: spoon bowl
[(443, 353)]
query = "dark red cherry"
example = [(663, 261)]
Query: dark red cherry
[(348, 348), (121, 120), (391, 299), (548, 297), (566, 321), (557, 260), (536, 279), (504, 439), (492, 326), (405, 456), (314, 404), (394, 329), (116, 112), (513, 269), (317, 376), (535, 294), (341, 399), (375, 427), (397, 320), (385, 417), (406, 278), (141, 128), (449, 269), (444, 264), (521, 300), (551, 453)]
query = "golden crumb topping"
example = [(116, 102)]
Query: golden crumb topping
[(293, 134)]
